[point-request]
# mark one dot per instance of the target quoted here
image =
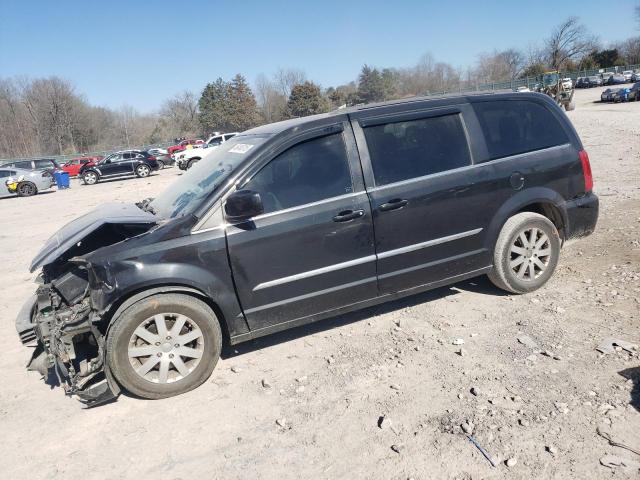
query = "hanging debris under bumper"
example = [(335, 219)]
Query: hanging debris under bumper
[(68, 345)]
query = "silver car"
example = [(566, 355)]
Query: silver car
[(28, 182)]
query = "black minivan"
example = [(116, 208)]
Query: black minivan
[(300, 220)]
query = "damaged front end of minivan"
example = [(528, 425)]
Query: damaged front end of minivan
[(68, 333)]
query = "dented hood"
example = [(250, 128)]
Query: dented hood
[(73, 232)]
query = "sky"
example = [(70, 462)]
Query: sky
[(139, 53)]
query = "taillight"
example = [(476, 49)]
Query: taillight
[(586, 171), (151, 157)]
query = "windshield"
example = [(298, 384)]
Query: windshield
[(185, 194)]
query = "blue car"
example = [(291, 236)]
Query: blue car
[(634, 92), (621, 95)]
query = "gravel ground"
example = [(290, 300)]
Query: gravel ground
[(378, 394)]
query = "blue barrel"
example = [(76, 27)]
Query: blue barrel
[(62, 179)]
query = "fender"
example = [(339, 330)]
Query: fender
[(519, 201), (135, 281)]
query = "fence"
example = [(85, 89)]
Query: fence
[(529, 82)]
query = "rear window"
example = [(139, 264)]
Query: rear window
[(404, 150), (512, 127)]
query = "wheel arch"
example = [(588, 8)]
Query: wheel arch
[(126, 301), (544, 201)]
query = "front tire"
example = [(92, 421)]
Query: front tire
[(192, 162), (526, 253), (26, 189), (164, 345), (90, 178)]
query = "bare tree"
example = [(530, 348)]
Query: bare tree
[(286, 79), (271, 101), (500, 66), (180, 114), (569, 41)]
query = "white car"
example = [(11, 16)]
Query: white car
[(187, 158), (628, 74), (567, 83)]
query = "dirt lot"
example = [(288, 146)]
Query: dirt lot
[(329, 385)]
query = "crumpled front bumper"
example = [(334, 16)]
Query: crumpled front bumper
[(54, 355)]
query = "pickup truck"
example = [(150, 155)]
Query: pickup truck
[(187, 158)]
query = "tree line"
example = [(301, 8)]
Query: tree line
[(47, 116)]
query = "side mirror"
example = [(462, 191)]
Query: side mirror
[(243, 204)]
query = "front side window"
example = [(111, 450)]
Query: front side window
[(415, 148), (215, 141), (512, 127), (308, 172)]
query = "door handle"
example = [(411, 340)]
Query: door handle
[(347, 215), (394, 204)]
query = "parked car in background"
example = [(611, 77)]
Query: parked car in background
[(616, 79), (635, 77), (294, 222), (184, 144), (48, 164), (627, 74), (187, 158), (621, 95), (580, 82), (634, 92), (165, 160), (567, 83), (73, 166), (158, 151), (607, 95), (23, 183), (126, 163), (605, 76), (594, 81)]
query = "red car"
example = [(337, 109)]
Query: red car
[(73, 166), (183, 145)]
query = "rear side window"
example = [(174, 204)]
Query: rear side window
[(308, 172), (512, 127), (43, 164), (26, 165), (403, 150)]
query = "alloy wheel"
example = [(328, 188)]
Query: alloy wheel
[(27, 189), (530, 254), (166, 348), (90, 178), (143, 171)]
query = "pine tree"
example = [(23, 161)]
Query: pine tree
[(242, 112), (306, 99), (212, 105)]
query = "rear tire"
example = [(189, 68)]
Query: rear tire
[(160, 165), (153, 361), (526, 253), (143, 171)]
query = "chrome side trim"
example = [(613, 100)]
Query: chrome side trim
[(306, 205), (429, 243), (310, 295), (313, 273), (430, 264)]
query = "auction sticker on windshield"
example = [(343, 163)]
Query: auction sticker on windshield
[(241, 148)]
